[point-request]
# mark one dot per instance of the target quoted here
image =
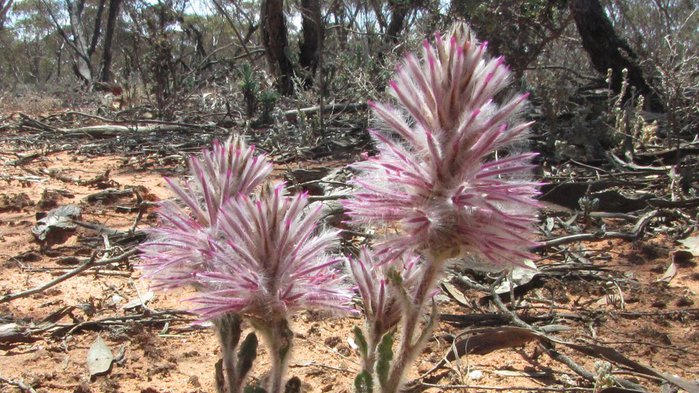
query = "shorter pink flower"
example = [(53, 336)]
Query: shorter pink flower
[(274, 260), (259, 255), (382, 299)]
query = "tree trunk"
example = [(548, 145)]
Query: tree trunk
[(106, 75), (97, 29), (82, 62), (5, 6), (276, 43), (399, 11), (310, 44), (607, 50)]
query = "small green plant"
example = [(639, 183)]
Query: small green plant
[(587, 206), (250, 88), (629, 125), (268, 100), (603, 376)]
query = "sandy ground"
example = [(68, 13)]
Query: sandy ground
[(624, 305)]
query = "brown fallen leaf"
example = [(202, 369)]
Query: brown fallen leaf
[(56, 226), (669, 274)]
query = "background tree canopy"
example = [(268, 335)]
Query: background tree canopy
[(343, 49)]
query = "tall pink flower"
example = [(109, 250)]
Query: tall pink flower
[(448, 177), (448, 182), (250, 251)]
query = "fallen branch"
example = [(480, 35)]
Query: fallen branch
[(110, 129), (23, 387), (109, 194), (637, 231), (665, 204), (291, 115), (87, 264), (505, 388), (629, 165), (139, 121), (58, 175), (148, 317), (113, 129), (13, 332), (22, 160)]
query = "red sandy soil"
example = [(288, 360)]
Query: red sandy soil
[(657, 325)]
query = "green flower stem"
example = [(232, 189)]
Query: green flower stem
[(376, 330), (409, 349), (278, 337), (228, 328)]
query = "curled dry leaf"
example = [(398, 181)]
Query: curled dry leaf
[(57, 225)]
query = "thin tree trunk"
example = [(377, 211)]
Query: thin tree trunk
[(106, 75), (82, 56), (59, 60), (312, 37), (81, 64), (276, 43), (607, 50), (97, 29), (5, 6), (399, 11)]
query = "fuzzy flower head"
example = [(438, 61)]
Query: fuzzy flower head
[(447, 176), (223, 172), (372, 274), (273, 260), (257, 253), (182, 244)]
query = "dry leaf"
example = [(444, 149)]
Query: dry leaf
[(99, 357), (455, 293), (669, 274), (692, 244), (57, 225), (139, 301)]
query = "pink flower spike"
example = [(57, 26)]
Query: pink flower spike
[(435, 163), (256, 255)]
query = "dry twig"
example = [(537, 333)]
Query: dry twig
[(86, 264)]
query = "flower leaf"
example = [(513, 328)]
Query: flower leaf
[(361, 341), (247, 355), (363, 383), (385, 350)]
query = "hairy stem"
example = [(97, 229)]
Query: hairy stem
[(375, 327), (228, 327), (278, 337), (408, 349)]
